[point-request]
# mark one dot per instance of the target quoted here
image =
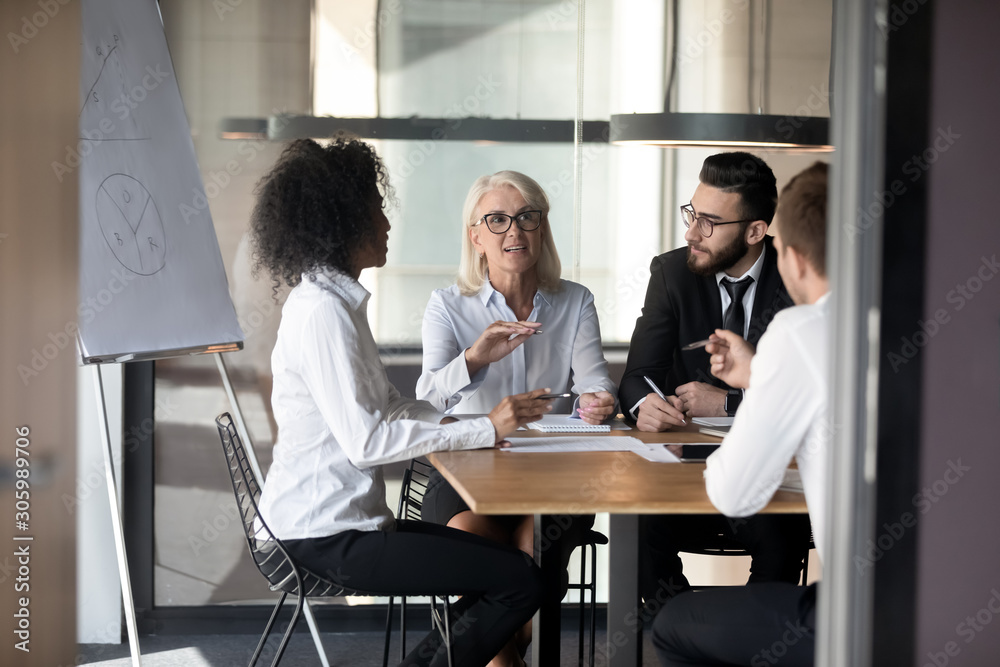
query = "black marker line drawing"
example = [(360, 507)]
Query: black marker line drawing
[(108, 108), (131, 224)]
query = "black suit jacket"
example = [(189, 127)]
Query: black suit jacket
[(682, 307)]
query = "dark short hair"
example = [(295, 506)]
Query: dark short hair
[(314, 209), (802, 215), (749, 176)]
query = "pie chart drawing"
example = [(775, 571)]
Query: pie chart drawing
[(131, 225)]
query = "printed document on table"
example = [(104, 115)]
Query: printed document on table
[(657, 452), (610, 443)]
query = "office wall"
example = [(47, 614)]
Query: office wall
[(39, 71), (959, 546)]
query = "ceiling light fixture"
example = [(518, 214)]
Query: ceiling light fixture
[(720, 130)]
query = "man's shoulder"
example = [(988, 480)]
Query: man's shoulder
[(809, 318), (673, 258), (674, 264)]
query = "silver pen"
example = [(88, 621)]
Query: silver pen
[(659, 393), (695, 345), (654, 387)]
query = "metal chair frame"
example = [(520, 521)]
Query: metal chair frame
[(270, 555), (411, 497), (590, 541), (725, 545)]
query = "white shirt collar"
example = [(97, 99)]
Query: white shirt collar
[(754, 271), (338, 282), (487, 291)]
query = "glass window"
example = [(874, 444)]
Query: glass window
[(436, 59)]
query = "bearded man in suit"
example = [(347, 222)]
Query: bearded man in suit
[(726, 278)]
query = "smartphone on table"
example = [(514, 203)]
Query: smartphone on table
[(697, 452)]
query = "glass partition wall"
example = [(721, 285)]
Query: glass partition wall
[(453, 60)]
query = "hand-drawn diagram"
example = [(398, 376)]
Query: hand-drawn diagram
[(108, 107), (131, 224)]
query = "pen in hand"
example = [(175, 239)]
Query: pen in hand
[(659, 393)]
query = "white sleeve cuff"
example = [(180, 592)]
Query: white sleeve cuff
[(635, 407)]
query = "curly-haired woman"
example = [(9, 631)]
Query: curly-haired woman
[(317, 223)]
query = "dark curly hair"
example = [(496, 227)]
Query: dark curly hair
[(314, 208)]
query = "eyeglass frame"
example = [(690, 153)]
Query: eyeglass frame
[(698, 218), (512, 220)]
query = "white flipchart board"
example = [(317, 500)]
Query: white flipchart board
[(152, 281)]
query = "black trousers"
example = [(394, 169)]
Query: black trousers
[(777, 543), (757, 625), (442, 502), (501, 586)]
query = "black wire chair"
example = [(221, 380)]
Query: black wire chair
[(723, 544), (411, 500), (590, 540), (269, 554)]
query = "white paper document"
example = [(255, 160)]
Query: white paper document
[(792, 481), (152, 277), (657, 453), (610, 443), (713, 421)]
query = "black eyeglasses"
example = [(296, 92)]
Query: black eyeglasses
[(499, 223), (705, 225)]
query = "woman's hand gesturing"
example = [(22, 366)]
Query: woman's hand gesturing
[(515, 411), (496, 343)]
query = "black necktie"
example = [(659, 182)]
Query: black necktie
[(735, 317)]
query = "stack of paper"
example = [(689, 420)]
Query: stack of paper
[(610, 443)]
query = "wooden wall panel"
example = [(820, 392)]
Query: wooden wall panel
[(39, 80)]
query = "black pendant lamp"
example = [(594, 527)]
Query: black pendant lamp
[(719, 130)]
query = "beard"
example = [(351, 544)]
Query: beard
[(721, 260)]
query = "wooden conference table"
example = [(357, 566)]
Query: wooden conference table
[(623, 484)]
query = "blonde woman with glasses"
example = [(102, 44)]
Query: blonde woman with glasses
[(510, 323)]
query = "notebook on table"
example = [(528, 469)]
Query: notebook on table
[(566, 424)]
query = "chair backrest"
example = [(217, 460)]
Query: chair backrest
[(268, 553), (411, 494)]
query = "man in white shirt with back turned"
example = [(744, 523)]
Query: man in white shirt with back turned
[(785, 418)]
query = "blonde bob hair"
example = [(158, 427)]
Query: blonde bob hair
[(472, 267)]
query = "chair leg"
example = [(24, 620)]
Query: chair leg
[(291, 627), (447, 629), (388, 634), (583, 598), (593, 602), (402, 628), (314, 631), (267, 629)]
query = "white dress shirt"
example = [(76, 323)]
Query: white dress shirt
[(753, 272), (339, 419), (566, 356), (784, 415)]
